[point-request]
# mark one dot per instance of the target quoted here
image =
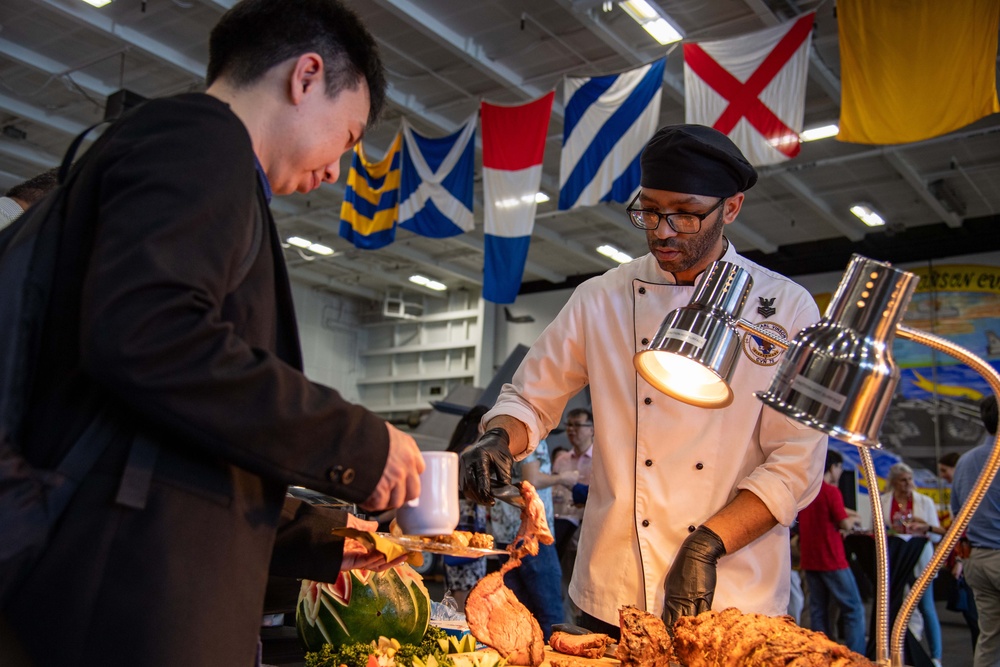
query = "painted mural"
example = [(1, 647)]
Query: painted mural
[(962, 304)]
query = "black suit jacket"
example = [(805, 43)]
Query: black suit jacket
[(153, 322)]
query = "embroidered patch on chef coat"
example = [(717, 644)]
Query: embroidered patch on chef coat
[(761, 351)]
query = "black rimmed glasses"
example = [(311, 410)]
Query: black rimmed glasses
[(682, 223), (570, 425)]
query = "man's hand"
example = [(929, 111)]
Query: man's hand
[(357, 555), (489, 457), (690, 584), (400, 479)]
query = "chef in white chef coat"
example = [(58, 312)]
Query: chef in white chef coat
[(689, 507)]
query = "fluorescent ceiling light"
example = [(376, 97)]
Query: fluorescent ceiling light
[(868, 215), (320, 249), (299, 242), (614, 253), (98, 3), (423, 281), (652, 21), (821, 132), (523, 200)]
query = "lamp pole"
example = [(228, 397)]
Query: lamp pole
[(881, 543)]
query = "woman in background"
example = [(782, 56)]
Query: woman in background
[(910, 513)]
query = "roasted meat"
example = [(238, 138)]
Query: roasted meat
[(498, 619), (644, 641), (731, 638), (584, 646), (534, 526), (495, 616)]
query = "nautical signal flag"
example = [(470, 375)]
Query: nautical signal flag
[(915, 69), (513, 148), (371, 202), (435, 191), (608, 121), (752, 88)]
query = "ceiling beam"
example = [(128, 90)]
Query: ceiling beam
[(464, 47), (40, 116), (89, 16), (47, 65), (739, 231), (909, 173), (311, 277), (589, 254), (802, 191), (30, 155)]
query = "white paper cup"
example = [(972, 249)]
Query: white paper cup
[(435, 512)]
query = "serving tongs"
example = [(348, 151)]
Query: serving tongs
[(508, 493)]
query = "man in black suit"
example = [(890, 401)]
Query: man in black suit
[(171, 323)]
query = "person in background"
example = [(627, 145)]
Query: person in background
[(828, 574), (960, 596), (796, 596), (537, 581), (912, 513), (461, 574), (176, 334), (22, 196), (688, 508), (982, 567), (580, 433)]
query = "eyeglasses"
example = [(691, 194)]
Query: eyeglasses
[(682, 223), (580, 425)]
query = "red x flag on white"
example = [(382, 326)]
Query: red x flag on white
[(752, 88)]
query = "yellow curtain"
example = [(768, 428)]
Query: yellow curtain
[(915, 69)]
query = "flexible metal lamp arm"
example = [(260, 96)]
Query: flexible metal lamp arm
[(961, 521)]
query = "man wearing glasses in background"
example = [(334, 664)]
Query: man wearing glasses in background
[(689, 507)]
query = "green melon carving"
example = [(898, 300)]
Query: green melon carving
[(362, 606)]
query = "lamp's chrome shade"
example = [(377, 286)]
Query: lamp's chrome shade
[(838, 375), (694, 352)]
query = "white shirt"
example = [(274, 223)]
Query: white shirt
[(9, 211), (646, 486)]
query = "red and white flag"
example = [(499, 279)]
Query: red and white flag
[(752, 88), (513, 147)]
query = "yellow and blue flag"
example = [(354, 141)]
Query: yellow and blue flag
[(371, 204)]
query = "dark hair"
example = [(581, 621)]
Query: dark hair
[(581, 411), (467, 429), (833, 457), (256, 35), (988, 411), (35, 187), (950, 459)]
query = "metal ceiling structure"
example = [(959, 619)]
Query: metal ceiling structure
[(61, 59)]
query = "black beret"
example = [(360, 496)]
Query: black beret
[(695, 160)]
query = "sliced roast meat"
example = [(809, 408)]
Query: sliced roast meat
[(498, 619), (584, 646)]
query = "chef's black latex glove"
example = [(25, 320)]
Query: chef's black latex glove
[(690, 584), (486, 463)]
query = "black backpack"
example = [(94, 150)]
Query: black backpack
[(31, 499)]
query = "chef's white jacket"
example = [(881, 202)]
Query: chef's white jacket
[(662, 467)]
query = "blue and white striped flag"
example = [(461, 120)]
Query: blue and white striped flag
[(608, 121), (435, 191)]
